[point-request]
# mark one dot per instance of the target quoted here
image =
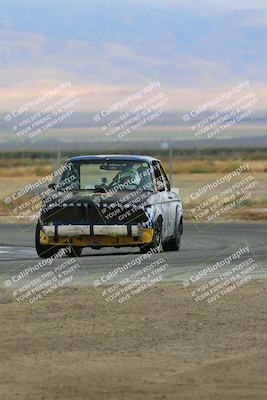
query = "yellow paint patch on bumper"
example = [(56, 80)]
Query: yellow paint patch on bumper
[(105, 241)]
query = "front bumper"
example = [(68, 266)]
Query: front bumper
[(102, 230), (96, 236)]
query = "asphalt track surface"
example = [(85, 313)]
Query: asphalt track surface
[(203, 246)]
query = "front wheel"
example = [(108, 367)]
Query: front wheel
[(43, 250), (174, 244)]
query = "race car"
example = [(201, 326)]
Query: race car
[(110, 201)]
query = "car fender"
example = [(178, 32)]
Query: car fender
[(153, 212), (157, 214)]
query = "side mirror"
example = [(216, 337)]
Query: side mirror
[(52, 186)]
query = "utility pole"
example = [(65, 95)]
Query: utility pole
[(168, 146), (170, 163)]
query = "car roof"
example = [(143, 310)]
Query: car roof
[(122, 157)]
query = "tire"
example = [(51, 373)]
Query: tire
[(174, 244), (43, 250), (75, 252), (156, 244)]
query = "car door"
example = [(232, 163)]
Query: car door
[(165, 200), (171, 201)]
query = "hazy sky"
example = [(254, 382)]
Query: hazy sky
[(110, 48)]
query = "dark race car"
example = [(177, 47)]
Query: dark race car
[(110, 201)]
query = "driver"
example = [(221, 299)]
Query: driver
[(128, 177)]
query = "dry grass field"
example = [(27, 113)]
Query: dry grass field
[(189, 173)]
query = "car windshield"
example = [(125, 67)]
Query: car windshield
[(104, 175)]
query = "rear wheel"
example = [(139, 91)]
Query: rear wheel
[(43, 250), (155, 245), (174, 244)]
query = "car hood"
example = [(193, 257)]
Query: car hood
[(95, 208)]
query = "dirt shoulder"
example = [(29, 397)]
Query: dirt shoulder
[(156, 347)]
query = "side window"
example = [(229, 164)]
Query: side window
[(166, 180), (160, 181), (70, 178)]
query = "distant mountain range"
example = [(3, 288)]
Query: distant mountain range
[(81, 131)]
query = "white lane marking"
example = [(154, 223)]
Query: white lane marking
[(16, 251), (5, 250)]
